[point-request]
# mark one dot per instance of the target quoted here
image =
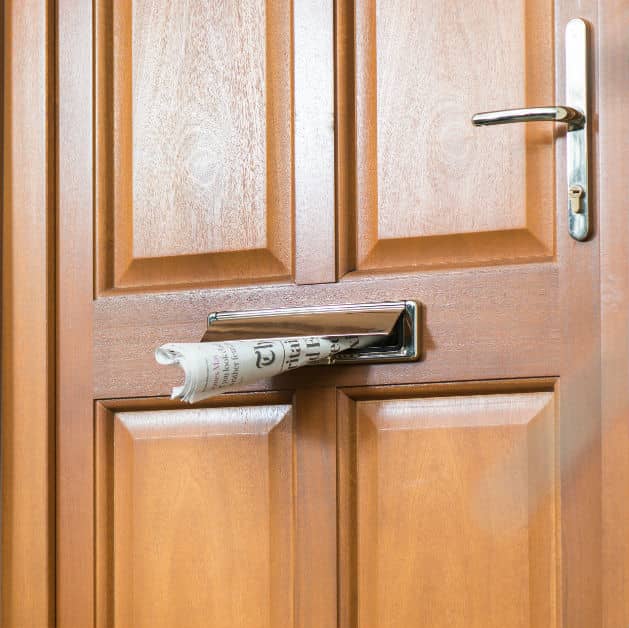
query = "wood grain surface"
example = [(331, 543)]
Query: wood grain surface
[(503, 448), (345, 100), (75, 288), (199, 120), (28, 371), (186, 498), (187, 517), (476, 324), (432, 190), (467, 534), (314, 137), (614, 281), (580, 402), (213, 172), (195, 154)]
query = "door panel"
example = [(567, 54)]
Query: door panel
[(194, 158), (431, 190), (222, 515), (190, 497), (466, 534)]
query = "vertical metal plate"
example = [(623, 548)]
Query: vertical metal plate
[(577, 139)]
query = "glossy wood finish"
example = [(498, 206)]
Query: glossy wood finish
[(314, 137), (196, 106), (467, 533), (505, 321), (614, 243), (580, 402), (75, 289), (27, 434), (345, 138), (196, 158), (189, 499), (75, 566), (198, 494), (431, 190), (460, 339)]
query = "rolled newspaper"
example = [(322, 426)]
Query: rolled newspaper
[(214, 367)]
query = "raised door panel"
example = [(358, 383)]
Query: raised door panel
[(193, 147), (199, 517), (452, 518), (432, 190), (223, 515)]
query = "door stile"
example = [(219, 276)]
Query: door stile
[(313, 141), (75, 465), (614, 286), (315, 509), (27, 458), (580, 384)]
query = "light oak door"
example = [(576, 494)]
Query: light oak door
[(232, 156)]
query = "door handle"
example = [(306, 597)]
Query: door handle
[(575, 115), (572, 117)]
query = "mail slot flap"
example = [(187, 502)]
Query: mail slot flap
[(340, 320), (395, 322)]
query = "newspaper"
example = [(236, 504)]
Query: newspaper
[(214, 367)]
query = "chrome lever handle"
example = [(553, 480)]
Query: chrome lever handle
[(569, 115), (576, 116)]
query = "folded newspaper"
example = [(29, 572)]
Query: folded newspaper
[(214, 367)]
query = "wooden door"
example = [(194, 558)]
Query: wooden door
[(234, 156)]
